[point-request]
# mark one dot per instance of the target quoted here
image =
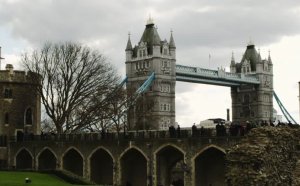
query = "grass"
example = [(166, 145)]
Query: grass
[(15, 178)]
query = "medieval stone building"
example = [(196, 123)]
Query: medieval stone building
[(156, 108), (20, 105), (253, 102)]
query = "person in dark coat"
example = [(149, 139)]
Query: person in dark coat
[(178, 131)]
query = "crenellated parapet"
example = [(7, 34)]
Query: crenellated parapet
[(17, 76)]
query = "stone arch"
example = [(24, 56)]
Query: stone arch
[(71, 155), (209, 166), (24, 159), (136, 148), (207, 147), (169, 169), (46, 159), (169, 144), (101, 164), (133, 166)]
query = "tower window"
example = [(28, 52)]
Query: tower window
[(28, 116), (6, 118), (165, 51), (7, 93), (165, 107)]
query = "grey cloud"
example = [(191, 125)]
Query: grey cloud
[(200, 27), (196, 23)]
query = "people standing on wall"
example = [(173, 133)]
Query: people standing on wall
[(194, 130), (178, 131)]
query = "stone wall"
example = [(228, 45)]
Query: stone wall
[(267, 156)]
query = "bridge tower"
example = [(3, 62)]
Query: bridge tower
[(253, 102), (155, 109)]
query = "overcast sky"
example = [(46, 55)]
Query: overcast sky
[(200, 28)]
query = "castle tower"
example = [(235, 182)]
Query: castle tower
[(20, 106), (253, 102), (156, 108)]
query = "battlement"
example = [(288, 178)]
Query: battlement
[(17, 76)]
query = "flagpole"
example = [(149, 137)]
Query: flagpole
[(209, 57), (0, 57)]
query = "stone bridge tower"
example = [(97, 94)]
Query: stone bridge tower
[(253, 102), (156, 108)]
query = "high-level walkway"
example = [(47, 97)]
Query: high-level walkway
[(213, 77)]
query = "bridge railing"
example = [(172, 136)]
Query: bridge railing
[(128, 135)]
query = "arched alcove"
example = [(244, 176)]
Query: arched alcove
[(46, 160), (101, 167), (170, 166), (24, 159), (73, 162), (133, 168), (210, 167)]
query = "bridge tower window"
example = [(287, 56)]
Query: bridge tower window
[(165, 107), (165, 51)]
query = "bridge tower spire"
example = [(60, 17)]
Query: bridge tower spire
[(232, 63), (156, 108)]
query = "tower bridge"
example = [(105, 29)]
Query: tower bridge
[(250, 81)]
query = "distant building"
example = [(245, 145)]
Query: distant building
[(20, 105), (211, 123)]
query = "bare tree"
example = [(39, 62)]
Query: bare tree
[(75, 83), (110, 115)]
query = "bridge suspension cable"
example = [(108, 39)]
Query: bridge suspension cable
[(130, 101), (286, 114), (143, 88)]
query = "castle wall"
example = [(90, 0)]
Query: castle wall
[(149, 148)]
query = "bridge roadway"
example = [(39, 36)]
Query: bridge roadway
[(213, 77), (142, 158)]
